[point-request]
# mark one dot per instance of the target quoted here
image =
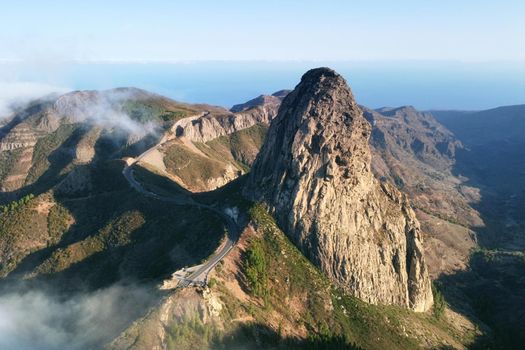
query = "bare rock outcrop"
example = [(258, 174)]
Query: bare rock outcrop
[(260, 110), (20, 136), (274, 99), (314, 173)]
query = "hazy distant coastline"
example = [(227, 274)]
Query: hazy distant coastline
[(424, 84)]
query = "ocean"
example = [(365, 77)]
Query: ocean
[(425, 85)]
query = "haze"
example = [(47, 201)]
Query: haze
[(446, 55), (159, 30)]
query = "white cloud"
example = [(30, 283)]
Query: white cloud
[(100, 108), (17, 93), (36, 320), (103, 109)]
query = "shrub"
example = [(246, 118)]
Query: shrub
[(439, 302), (57, 222), (16, 204), (255, 269)]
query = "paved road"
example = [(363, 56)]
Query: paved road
[(199, 276)]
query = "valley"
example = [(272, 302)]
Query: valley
[(199, 274)]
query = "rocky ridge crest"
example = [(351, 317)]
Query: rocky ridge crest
[(260, 110)]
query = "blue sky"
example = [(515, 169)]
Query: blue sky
[(328, 30), (446, 54)]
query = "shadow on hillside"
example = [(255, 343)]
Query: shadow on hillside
[(492, 291), (131, 264), (58, 160), (171, 237), (260, 336)]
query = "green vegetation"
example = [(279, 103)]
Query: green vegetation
[(192, 168), (58, 221), (110, 232), (398, 181), (493, 285), (45, 146), (292, 288), (191, 333), (439, 301), (212, 282), (287, 290), (23, 230), (277, 270), (255, 270), (4, 209), (145, 111), (222, 154), (126, 234), (121, 233), (260, 336), (241, 146), (8, 160), (495, 255), (237, 150), (247, 140), (115, 233)]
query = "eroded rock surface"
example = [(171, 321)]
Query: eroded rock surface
[(314, 173), (260, 110)]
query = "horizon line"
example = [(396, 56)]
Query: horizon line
[(196, 61)]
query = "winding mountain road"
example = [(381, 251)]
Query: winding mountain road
[(199, 276)]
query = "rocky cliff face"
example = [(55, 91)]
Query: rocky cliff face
[(314, 172), (260, 110)]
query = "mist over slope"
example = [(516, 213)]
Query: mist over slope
[(37, 319)]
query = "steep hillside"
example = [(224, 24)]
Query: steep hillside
[(494, 161), (42, 143), (482, 127), (267, 295), (214, 125), (412, 150), (495, 156), (208, 151), (425, 173), (83, 222), (102, 235), (417, 154), (84, 265), (204, 166)]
